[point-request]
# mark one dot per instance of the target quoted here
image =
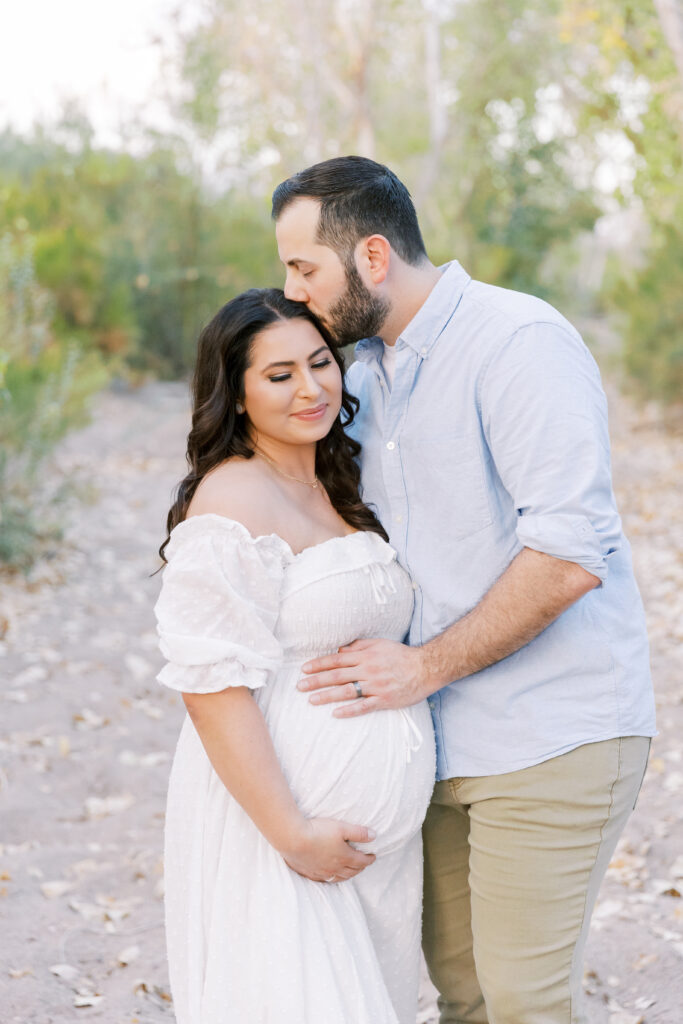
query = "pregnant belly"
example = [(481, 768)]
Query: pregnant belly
[(376, 770)]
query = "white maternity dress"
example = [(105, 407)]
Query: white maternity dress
[(249, 940)]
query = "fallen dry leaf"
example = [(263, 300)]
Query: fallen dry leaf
[(101, 807), (52, 890), (87, 910), (607, 908), (87, 999), (154, 993), (32, 674), (673, 782), (138, 667), (128, 955), (133, 760), (147, 708), (18, 696), (644, 960), (65, 971), (88, 719)]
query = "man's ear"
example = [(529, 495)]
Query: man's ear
[(373, 256)]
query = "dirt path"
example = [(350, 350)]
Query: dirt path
[(87, 736)]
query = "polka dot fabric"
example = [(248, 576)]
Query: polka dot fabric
[(250, 941)]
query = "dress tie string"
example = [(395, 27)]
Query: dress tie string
[(413, 736), (380, 581)]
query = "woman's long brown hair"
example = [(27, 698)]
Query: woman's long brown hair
[(219, 432)]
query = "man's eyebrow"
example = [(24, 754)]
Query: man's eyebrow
[(291, 362), (295, 261)]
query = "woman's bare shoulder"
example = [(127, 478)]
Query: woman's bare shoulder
[(238, 489)]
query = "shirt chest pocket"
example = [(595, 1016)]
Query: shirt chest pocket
[(446, 482)]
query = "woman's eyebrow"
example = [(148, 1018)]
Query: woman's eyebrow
[(292, 362)]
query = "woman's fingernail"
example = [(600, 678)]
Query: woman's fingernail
[(315, 699), (306, 667), (371, 834)]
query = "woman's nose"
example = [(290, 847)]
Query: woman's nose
[(309, 386)]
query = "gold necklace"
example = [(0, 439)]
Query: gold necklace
[(288, 476)]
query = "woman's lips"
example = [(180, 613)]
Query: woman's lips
[(311, 414)]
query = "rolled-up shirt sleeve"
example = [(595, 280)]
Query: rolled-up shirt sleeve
[(545, 419)]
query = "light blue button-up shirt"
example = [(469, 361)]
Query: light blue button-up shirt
[(492, 438)]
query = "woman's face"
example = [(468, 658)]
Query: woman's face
[(293, 387)]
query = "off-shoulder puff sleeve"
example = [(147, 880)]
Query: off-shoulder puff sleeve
[(218, 606)]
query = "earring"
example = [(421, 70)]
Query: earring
[(239, 407)]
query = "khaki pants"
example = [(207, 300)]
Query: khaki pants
[(513, 864)]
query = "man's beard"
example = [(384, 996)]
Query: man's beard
[(357, 313)]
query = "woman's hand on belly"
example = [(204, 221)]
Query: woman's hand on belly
[(320, 851), (234, 734)]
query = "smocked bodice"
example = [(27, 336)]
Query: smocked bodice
[(234, 607)]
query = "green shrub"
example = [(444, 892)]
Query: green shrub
[(649, 304), (44, 384)]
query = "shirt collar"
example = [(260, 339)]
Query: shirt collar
[(423, 330)]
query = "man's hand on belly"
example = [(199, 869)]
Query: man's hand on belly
[(391, 674), (532, 592)]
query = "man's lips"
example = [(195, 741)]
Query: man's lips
[(311, 414)]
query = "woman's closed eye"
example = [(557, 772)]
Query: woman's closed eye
[(319, 365)]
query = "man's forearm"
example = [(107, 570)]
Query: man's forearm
[(532, 592)]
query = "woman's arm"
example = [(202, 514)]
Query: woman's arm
[(237, 742)]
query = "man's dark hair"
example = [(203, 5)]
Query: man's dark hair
[(358, 198)]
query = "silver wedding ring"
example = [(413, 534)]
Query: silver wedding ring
[(357, 687), (333, 879)]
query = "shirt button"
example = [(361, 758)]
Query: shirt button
[(398, 519), (414, 585), (390, 445), (423, 352)]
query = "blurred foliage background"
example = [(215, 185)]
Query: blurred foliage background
[(542, 142)]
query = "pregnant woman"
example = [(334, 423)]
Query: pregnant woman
[(293, 856)]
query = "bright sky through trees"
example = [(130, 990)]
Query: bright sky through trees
[(100, 54)]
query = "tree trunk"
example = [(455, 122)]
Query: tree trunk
[(438, 121), (670, 13)]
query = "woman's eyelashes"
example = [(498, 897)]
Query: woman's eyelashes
[(319, 365)]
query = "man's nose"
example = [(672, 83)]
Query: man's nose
[(295, 291)]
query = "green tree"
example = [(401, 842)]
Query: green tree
[(449, 94), (634, 85)]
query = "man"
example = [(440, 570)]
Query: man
[(486, 456)]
